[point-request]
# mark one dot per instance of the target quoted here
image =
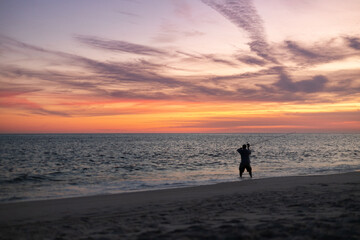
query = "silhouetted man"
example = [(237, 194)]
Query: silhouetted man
[(245, 159)]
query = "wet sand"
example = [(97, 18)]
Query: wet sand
[(310, 207)]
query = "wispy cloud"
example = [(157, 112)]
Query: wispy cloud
[(244, 15), (249, 60), (28, 106), (170, 32), (297, 50), (354, 42), (321, 52), (118, 46), (128, 14), (216, 59), (11, 90), (316, 84), (183, 9)]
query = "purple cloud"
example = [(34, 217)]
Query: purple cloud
[(297, 50), (136, 94), (323, 52), (316, 84), (354, 42), (216, 59), (244, 15), (251, 60), (128, 14), (119, 46), (183, 9)]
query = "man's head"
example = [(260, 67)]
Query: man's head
[(244, 146)]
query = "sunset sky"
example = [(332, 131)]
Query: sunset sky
[(223, 66)]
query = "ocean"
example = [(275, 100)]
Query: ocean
[(50, 166)]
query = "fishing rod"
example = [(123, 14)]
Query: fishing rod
[(272, 138)]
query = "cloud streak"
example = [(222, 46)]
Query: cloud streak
[(316, 84), (118, 46), (244, 15), (324, 52), (249, 60), (29, 106), (354, 42)]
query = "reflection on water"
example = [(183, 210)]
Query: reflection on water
[(62, 165)]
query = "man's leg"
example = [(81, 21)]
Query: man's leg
[(249, 169), (241, 169)]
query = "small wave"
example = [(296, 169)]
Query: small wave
[(130, 168), (27, 177), (23, 178), (12, 199), (214, 155), (55, 173)]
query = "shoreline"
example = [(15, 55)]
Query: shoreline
[(198, 184), (170, 213), (245, 178)]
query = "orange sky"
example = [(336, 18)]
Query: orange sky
[(180, 66)]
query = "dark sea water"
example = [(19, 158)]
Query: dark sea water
[(66, 165)]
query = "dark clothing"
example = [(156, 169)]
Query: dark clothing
[(245, 161), (245, 155), (242, 168)]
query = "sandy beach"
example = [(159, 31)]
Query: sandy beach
[(309, 207)]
